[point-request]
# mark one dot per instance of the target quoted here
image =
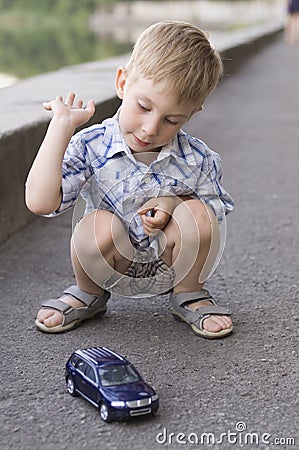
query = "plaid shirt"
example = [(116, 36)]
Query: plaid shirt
[(100, 166)]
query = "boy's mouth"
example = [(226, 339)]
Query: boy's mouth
[(140, 142)]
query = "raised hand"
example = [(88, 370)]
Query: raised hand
[(71, 110)]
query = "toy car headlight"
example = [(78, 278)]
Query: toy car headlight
[(155, 397), (118, 404)]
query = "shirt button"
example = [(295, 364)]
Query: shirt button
[(147, 179)]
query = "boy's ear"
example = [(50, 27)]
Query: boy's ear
[(120, 81)]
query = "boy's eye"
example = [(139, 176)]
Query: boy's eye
[(143, 107), (171, 122)]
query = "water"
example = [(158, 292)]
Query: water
[(29, 46), (30, 50)]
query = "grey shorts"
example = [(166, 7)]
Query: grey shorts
[(144, 278)]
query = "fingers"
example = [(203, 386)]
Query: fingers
[(152, 224), (159, 219), (144, 211), (70, 98), (50, 105), (148, 227), (150, 230), (149, 205), (47, 106), (90, 108), (71, 103)]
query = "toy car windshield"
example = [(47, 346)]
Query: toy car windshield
[(117, 375)]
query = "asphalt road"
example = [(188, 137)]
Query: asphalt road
[(238, 392)]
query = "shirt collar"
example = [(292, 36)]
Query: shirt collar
[(114, 138), (178, 148)]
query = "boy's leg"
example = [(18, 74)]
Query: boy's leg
[(99, 247), (191, 244)]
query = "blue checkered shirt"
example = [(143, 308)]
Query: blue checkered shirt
[(100, 166)]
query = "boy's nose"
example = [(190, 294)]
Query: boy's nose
[(151, 128)]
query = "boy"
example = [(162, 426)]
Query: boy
[(154, 199)]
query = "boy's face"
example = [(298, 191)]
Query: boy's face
[(150, 116)]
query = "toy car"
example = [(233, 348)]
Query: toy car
[(111, 383)]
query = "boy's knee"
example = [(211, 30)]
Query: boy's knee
[(100, 232), (196, 220), (91, 231), (193, 211)]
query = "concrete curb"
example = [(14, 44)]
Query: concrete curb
[(23, 122)]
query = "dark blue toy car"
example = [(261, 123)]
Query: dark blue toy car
[(111, 383)]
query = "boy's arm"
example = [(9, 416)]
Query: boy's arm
[(43, 186)]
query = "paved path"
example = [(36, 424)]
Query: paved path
[(248, 379)]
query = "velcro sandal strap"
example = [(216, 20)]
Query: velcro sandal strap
[(184, 298), (181, 301), (57, 304), (84, 297), (69, 313), (93, 305), (215, 310)]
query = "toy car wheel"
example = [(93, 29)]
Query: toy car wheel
[(71, 386), (105, 412)]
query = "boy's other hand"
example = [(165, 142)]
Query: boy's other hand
[(155, 222), (156, 213), (70, 110)]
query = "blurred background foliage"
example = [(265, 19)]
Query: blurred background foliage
[(38, 36), (60, 7)]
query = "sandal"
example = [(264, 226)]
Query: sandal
[(72, 317), (181, 312)]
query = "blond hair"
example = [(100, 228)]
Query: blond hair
[(180, 55)]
